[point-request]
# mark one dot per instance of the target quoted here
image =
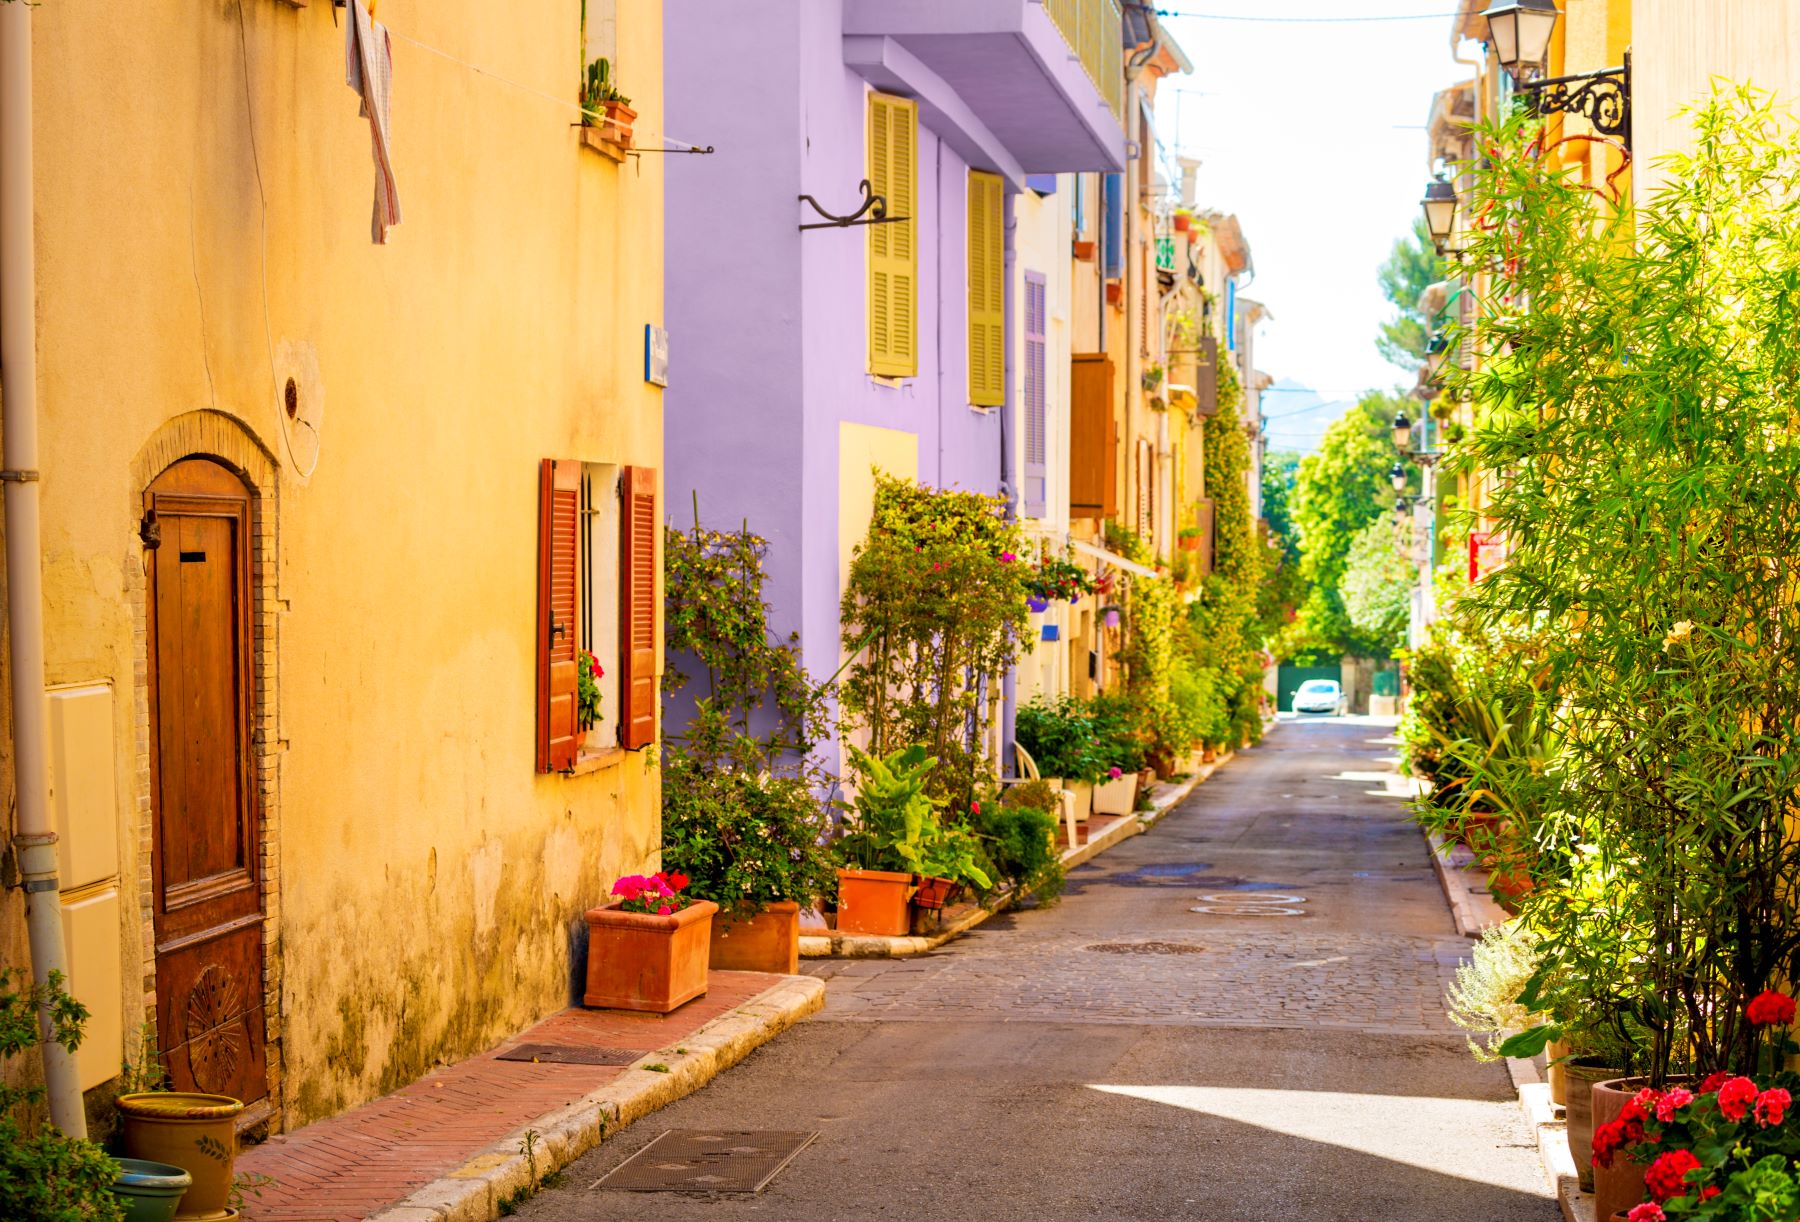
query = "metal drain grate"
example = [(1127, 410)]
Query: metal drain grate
[(572, 1054), (1148, 948), (707, 1160)]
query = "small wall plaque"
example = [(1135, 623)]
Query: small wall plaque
[(656, 355)]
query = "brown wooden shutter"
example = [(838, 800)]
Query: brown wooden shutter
[(1206, 378), (559, 516), (1093, 437), (1204, 512), (638, 526)]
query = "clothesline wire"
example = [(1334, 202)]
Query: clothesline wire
[(538, 93)]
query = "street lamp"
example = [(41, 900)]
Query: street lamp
[(1519, 31), (1436, 349), (1397, 475), (1402, 431), (1439, 206)]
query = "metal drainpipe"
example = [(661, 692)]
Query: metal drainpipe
[(1134, 185), (35, 840)]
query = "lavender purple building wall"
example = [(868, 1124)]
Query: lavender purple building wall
[(768, 324)]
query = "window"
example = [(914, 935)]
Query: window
[(597, 593), (893, 255), (1078, 197), (987, 290), (1036, 490)]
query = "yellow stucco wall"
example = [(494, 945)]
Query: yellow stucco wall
[(204, 188)]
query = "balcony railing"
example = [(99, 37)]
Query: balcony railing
[(1091, 28)]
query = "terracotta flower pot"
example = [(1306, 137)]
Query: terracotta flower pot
[(766, 942), (874, 902), (1582, 1073), (934, 892), (641, 961), (194, 1132), (619, 118), (1619, 1187)]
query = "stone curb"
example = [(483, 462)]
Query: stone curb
[(1163, 799), (473, 1192), (1472, 906), (1552, 1140)]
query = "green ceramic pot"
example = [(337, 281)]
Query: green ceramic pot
[(150, 1192)]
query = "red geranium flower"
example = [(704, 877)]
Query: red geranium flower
[(1770, 1007), (1771, 1106), (1735, 1097), (677, 880), (1649, 1211), (1714, 1081), (1667, 1176), (1673, 1100), (1609, 1139), (1646, 1100)]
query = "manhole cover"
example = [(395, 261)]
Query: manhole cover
[(572, 1054), (1148, 948), (707, 1160)]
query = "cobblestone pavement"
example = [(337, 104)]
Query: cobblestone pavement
[(1237, 1017)]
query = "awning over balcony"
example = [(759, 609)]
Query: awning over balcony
[(1015, 86)]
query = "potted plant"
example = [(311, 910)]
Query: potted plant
[(588, 673), (1184, 220), (603, 106), (190, 1130), (755, 842), (1119, 751), (1055, 579), (1189, 538), (949, 860), (884, 850), (648, 948), (1060, 736)]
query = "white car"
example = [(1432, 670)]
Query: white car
[(1318, 696)]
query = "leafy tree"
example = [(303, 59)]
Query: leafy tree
[(1412, 267), (1279, 599), (1377, 589), (1338, 491)]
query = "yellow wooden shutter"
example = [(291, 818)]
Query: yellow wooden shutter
[(893, 251), (987, 290)]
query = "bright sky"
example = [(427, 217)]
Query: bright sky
[(1312, 132)]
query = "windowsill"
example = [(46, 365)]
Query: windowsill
[(594, 761), (594, 137)]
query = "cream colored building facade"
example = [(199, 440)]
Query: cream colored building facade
[(402, 875)]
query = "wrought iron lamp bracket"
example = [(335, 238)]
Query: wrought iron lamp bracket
[(1603, 98), (873, 204)]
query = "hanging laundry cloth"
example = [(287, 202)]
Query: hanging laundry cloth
[(369, 69)]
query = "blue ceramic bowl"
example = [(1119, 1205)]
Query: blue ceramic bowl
[(150, 1192)]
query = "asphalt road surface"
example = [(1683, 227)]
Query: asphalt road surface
[(1235, 1017)]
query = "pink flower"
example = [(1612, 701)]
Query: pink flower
[(665, 910), (1673, 1100), (1649, 1211), (1771, 1106), (1115, 773), (1735, 1098), (1007, 557)]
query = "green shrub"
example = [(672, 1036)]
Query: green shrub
[(1059, 734), (46, 1175), (1020, 840)]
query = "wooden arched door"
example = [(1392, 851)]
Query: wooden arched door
[(206, 860)]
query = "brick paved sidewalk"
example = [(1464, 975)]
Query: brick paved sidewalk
[(355, 1164)]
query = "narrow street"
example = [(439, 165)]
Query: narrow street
[(1237, 1017)]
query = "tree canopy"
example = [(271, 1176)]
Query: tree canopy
[(1412, 267)]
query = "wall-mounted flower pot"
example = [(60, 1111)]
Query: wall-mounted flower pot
[(1050, 632), (1110, 616), (641, 961), (619, 118), (1037, 605), (1190, 543), (1183, 222), (194, 1132), (1116, 797), (766, 942), (935, 892), (1083, 251), (1115, 293), (874, 902), (150, 1192)]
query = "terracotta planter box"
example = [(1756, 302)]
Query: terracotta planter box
[(1116, 797), (1083, 251), (619, 118), (640, 961), (874, 902), (766, 942)]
